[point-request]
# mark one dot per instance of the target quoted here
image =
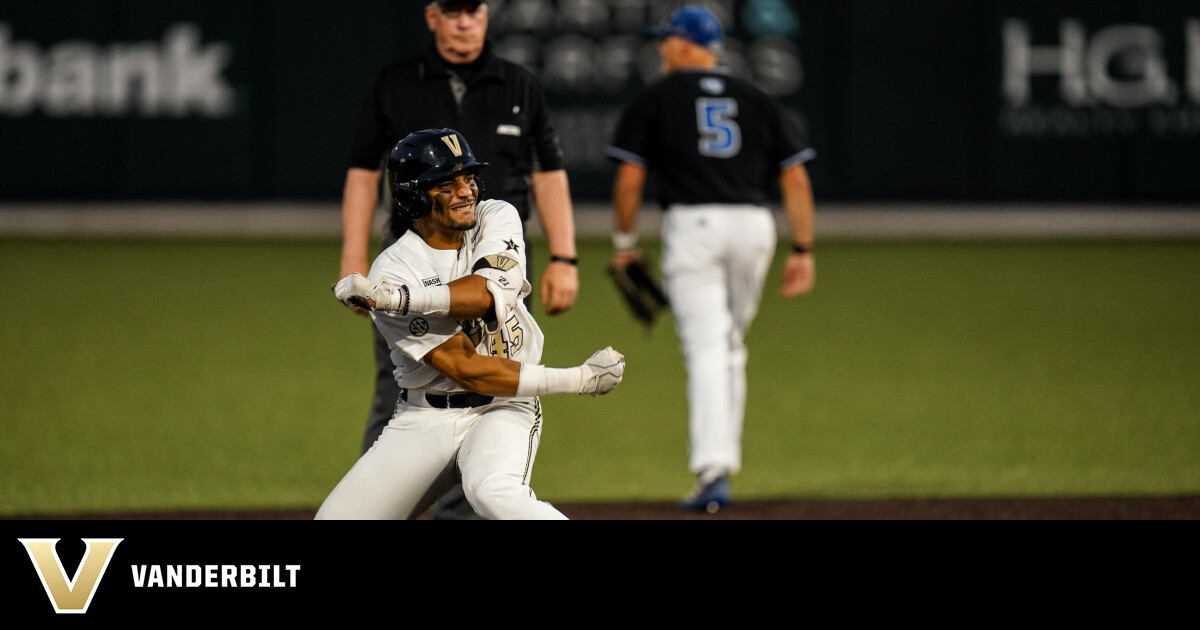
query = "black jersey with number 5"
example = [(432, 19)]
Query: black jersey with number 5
[(709, 138)]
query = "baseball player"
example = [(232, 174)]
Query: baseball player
[(458, 80), (448, 298), (716, 145)]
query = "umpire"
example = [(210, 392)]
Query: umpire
[(459, 82)]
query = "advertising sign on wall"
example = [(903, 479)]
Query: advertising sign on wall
[(923, 100)]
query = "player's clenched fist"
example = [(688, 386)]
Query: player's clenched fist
[(600, 374), (356, 290), (603, 372)]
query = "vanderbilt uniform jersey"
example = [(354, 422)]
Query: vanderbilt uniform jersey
[(412, 262), (729, 151)]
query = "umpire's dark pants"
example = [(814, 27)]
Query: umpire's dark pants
[(453, 506)]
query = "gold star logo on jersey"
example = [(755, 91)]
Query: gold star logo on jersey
[(512, 244)]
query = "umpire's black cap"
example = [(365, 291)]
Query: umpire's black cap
[(446, 3)]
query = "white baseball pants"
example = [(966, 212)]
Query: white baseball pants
[(714, 263), (413, 463)]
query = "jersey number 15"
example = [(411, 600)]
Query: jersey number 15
[(720, 136)]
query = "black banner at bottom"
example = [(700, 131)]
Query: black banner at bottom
[(231, 570)]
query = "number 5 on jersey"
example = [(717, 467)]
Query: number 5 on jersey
[(720, 136)]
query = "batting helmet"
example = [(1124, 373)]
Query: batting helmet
[(422, 159)]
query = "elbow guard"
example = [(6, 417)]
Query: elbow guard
[(505, 281)]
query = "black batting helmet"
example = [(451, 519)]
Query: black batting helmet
[(422, 159)]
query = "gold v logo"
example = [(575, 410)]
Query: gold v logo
[(452, 142), (74, 595)]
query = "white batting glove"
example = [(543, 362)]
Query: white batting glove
[(389, 297), (356, 290), (602, 372)]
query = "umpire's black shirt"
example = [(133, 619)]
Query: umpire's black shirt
[(502, 113)]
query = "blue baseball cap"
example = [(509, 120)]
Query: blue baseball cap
[(695, 24)]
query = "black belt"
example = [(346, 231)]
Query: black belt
[(453, 401)]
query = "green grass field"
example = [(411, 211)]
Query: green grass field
[(197, 375)]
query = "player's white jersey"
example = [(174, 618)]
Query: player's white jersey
[(411, 261)]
